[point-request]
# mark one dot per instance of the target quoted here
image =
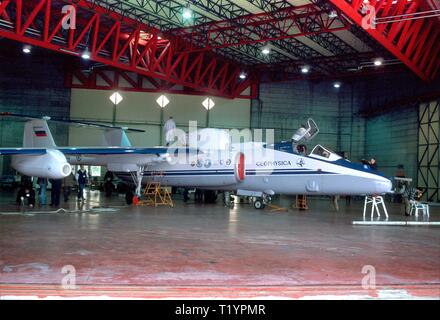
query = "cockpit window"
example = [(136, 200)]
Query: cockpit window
[(325, 153), (321, 151)]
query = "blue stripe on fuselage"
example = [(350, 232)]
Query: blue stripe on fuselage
[(221, 173)]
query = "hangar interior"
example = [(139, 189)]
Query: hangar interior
[(374, 92)]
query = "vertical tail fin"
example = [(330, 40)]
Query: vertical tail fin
[(37, 135), (116, 138)]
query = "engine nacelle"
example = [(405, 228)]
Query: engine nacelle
[(51, 165), (240, 168)]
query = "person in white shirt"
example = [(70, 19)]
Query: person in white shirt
[(168, 128)]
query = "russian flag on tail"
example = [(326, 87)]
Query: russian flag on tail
[(40, 132)]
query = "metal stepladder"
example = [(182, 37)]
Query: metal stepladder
[(301, 202), (155, 194)]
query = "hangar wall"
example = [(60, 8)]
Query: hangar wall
[(392, 140), (391, 109), (140, 110), (371, 117), (31, 85), (284, 106)]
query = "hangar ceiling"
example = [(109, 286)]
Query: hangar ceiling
[(218, 48)]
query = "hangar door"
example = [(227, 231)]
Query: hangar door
[(428, 157)]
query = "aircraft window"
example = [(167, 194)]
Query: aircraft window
[(324, 153)]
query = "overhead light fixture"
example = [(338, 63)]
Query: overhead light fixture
[(378, 62), (116, 98), (86, 54), (208, 103), (305, 69), (187, 13), (162, 101), (242, 75), (333, 14), (337, 84), (27, 49), (265, 50)]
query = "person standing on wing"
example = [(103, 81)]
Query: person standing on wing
[(168, 128)]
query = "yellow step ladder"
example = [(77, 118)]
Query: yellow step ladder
[(301, 202), (156, 195)]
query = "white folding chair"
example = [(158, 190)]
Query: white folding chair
[(416, 206)]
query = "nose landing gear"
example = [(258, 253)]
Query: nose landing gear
[(258, 204), (261, 202)]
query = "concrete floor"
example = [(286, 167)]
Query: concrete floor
[(205, 251)]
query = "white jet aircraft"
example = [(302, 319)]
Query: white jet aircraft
[(253, 169)]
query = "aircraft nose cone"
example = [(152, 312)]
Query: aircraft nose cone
[(383, 186)]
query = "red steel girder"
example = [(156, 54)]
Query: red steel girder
[(415, 42), (119, 42), (111, 79), (291, 22)]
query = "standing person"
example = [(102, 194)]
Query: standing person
[(55, 194), (168, 128), (185, 195), (81, 179), (67, 186), (108, 184), (42, 182)]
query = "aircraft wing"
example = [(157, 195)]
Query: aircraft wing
[(158, 151), (23, 151), (121, 158)]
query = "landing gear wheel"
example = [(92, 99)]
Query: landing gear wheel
[(258, 204)]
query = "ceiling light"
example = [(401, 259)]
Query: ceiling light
[(187, 13), (86, 54), (116, 98), (27, 49), (242, 75), (333, 14), (208, 103), (378, 62), (162, 101), (305, 69), (265, 51), (337, 84)]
